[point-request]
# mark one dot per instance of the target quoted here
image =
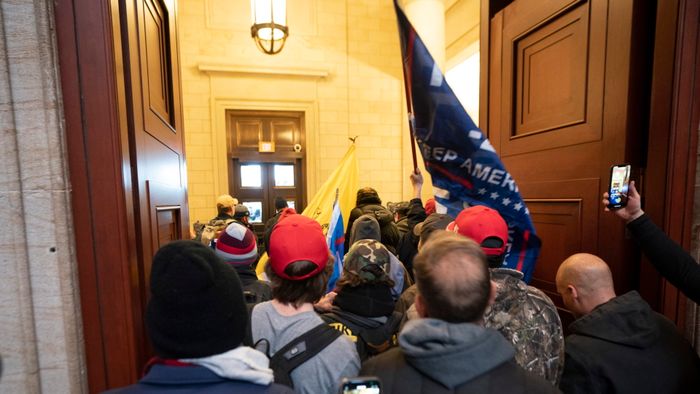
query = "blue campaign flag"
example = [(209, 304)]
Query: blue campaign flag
[(462, 163), (336, 243)]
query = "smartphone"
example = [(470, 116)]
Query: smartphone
[(619, 185), (361, 385)]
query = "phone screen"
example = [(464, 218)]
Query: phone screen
[(619, 185), (361, 386)]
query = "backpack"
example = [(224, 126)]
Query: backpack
[(205, 233), (369, 337), (298, 351)]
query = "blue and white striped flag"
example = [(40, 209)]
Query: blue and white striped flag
[(336, 243)]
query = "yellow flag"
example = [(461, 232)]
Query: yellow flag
[(344, 179)]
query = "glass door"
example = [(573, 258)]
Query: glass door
[(257, 184)]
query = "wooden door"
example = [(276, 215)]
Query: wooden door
[(121, 98), (158, 181), (256, 178), (567, 98)]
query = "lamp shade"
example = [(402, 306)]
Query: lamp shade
[(269, 29)]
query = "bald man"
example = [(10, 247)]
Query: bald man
[(618, 344)]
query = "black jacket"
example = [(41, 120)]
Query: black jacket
[(387, 227), (623, 346), (408, 245), (674, 263), (255, 291)]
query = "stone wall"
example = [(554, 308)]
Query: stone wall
[(352, 86), (41, 339)]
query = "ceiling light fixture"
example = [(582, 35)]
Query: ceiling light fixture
[(269, 29)]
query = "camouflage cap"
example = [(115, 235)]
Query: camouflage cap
[(367, 259)]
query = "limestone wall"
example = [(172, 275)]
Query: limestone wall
[(40, 329), (341, 66)]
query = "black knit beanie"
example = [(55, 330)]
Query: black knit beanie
[(196, 307)]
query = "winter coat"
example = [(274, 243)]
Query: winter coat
[(408, 245), (674, 263), (254, 290), (389, 232), (623, 346), (527, 318), (194, 379), (435, 357)]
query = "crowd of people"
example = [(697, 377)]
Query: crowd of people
[(423, 303)]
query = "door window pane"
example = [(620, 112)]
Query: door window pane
[(284, 175), (251, 175), (255, 209)]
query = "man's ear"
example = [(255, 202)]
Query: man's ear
[(571, 289), (419, 302), (492, 293)]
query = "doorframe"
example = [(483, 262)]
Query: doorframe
[(219, 108), (673, 137), (89, 51)]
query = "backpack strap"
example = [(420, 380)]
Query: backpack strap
[(300, 350), (248, 338)]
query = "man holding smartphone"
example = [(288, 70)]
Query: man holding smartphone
[(669, 258)]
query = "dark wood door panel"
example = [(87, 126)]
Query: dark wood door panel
[(248, 128), (564, 213), (248, 133), (551, 72), (159, 71), (285, 132), (161, 163), (550, 86)]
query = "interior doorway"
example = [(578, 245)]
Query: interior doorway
[(266, 156)]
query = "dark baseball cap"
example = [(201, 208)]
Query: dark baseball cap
[(435, 221)]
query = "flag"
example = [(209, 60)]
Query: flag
[(464, 167), (343, 181), (336, 243)]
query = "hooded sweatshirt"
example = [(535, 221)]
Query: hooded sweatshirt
[(435, 356), (365, 227), (623, 346)]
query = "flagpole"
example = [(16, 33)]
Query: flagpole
[(409, 108)]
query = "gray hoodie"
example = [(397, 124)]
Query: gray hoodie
[(453, 353), (365, 227)]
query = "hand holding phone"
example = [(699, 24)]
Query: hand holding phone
[(619, 186), (633, 210), (361, 385)]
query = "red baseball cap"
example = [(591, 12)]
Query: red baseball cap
[(297, 238), (479, 223), (430, 206)]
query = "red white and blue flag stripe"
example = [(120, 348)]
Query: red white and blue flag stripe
[(464, 167), (336, 243)]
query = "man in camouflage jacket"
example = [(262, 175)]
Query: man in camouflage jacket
[(523, 314)]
